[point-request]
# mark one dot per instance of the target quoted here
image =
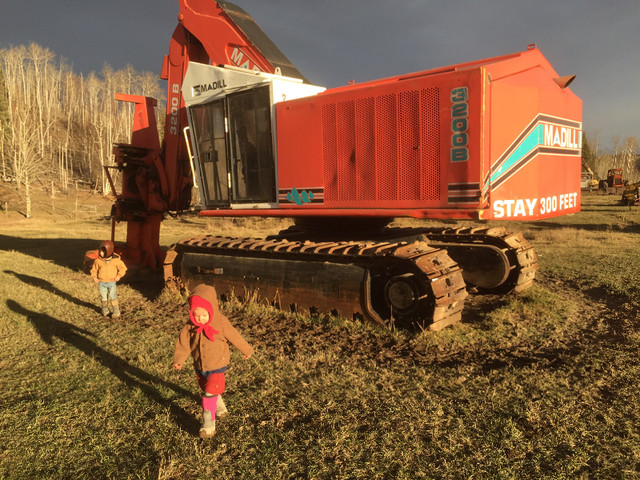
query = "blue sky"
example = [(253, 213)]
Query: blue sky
[(334, 41)]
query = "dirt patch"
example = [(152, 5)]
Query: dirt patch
[(281, 335)]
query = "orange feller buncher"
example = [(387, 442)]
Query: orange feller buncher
[(493, 139)]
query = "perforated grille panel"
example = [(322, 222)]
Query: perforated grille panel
[(382, 148)]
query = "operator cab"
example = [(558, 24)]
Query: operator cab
[(232, 133)]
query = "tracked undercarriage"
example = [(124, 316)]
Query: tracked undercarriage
[(493, 260), (402, 277)]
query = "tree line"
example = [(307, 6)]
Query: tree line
[(624, 154), (57, 126)]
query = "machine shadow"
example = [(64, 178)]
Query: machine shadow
[(69, 253), (49, 287), (588, 227), (65, 252), (135, 378)]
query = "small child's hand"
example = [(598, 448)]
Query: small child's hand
[(96, 281), (247, 357), (177, 366)]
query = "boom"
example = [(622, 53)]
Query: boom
[(157, 179)]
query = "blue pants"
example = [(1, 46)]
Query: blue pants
[(107, 290)]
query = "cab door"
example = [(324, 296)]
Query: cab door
[(234, 149), (252, 165), (208, 121)]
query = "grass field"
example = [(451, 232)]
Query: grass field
[(538, 385)]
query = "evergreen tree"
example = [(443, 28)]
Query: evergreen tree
[(588, 156)]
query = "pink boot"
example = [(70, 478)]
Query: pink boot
[(208, 427)]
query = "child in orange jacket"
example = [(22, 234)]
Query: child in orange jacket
[(106, 271), (206, 337)]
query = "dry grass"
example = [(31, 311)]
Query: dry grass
[(538, 385)]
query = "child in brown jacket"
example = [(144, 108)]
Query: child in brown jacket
[(206, 337)]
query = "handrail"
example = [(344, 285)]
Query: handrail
[(193, 170)]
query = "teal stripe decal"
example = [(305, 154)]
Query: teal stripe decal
[(531, 142)]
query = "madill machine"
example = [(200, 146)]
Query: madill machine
[(494, 139)]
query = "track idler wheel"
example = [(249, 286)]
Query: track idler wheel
[(403, 295), (428, 291)]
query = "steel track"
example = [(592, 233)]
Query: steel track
[(493, 260), (515, 260), (388, 282)]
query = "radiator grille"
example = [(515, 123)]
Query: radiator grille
[(382, 148)]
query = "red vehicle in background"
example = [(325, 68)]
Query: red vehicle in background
[(494, 139), (615, 182)]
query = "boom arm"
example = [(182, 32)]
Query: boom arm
[(587, 168), (217, 33), (157, 179)]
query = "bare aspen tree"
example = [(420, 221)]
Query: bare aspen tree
[(598, 165), (616, 151), (4, 124), (27, 189), (26, 163), (39, 59), (97, 122), (629, 155)]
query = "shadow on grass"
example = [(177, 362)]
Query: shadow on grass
[(49, 287), (66, 252), (49, 328), (589, 227), (69, 253)]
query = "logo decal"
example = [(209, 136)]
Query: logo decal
[(544, 135), (299, 198), (302, 196), (241, 59), (207, 87)]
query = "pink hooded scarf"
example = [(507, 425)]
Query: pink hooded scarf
[(196, 301)]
